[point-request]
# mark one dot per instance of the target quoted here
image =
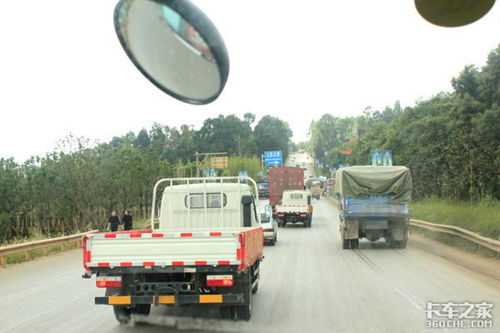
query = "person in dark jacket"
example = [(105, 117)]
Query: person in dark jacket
[(127, 220), (113, 221)]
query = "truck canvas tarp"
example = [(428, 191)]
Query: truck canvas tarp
[(373, 204), (365, 181)]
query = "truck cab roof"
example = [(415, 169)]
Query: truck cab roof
[(208, 205)]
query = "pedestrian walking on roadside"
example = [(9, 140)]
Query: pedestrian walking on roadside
[(113, 221), (127, 221)]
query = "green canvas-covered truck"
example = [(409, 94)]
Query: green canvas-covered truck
[(373, 204)]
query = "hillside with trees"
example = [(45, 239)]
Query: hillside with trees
[(451, 141)]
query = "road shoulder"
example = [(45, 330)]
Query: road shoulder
[(478, 264), (485, 266)]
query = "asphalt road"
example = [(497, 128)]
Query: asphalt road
[(308, 285)]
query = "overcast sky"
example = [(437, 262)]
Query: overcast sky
[(63, 71)]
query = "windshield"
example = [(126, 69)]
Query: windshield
[(368, 130)]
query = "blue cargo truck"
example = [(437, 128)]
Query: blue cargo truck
[(373, 204)]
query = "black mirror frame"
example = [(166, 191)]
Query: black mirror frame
[(207, 30)]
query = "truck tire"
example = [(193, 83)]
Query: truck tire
[(345, 244), (122, 313), (401, 244), (244, 312), (391, 242), (354, 243), (227, 312)]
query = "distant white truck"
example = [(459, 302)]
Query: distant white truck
[(206, 250), (296, 207), (315, 186)]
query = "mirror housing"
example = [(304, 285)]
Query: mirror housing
[(175, 46), (455, 13)]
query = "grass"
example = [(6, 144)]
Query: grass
[(482, 217)]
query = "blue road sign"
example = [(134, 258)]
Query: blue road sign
[(273, 158)]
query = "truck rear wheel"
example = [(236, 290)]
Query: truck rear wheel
[(345, 244), (244, 312), (227, 312), (354, 243), (122, 313), (401, 244)]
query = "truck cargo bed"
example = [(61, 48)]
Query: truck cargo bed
[(147, 248), (375, 206)]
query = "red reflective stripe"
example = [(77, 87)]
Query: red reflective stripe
[(109, 235), (224, 262), (238, 254), (103, 264), (157, 235), (186, 234), (148, 263), (136, 235), (200, 262), (87, 256), (177, 263), (214, 234), (126, 263), (242, 251)]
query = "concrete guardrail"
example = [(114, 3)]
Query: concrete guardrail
[(41, 244)]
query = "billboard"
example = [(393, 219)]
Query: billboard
[(221, 162), (381, 157)]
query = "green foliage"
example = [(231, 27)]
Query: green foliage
[(451, 142), (226, 134), (272, 134), (75, 187), (480, 217), (251, 165)]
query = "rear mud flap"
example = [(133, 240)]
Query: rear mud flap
[(399, 234), (350, 228)]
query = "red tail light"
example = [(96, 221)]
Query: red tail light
[(268, 230), (303, 215), (281, 215), (219, 280), (108, 282)]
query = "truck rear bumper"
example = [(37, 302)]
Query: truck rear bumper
[(172, 299)]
